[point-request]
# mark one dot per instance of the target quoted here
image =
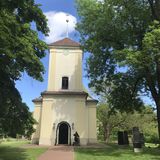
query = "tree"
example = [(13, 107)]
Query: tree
[(20, 49), (109, 123), (18, 120), (123, 39)]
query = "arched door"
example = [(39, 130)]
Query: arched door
[(63, 133)]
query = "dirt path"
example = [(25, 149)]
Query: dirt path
[(58, 153)]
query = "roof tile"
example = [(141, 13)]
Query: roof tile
[(65, 42)]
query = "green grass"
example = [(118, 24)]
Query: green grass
[(115, 152), (14, 151)]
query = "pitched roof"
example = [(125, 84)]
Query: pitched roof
[(65, 42)]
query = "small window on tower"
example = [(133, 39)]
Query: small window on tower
[(64, 82)]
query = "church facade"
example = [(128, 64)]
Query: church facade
[(64, 108)]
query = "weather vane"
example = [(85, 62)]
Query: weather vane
[(67, 20)]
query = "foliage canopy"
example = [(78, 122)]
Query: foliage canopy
[(123, 38), (110, 123), (20, 51)]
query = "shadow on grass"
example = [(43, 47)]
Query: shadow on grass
[(113, 150), (153, 152), (12, 153)]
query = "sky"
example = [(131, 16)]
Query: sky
[(56, 11)]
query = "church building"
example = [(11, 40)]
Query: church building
[(65, 107)]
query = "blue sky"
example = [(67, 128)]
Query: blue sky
[(67, 6), (57, 10)]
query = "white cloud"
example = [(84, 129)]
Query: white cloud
[(58, 25)]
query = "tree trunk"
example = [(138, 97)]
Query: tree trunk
[(157, 102), (106, 133), (155, 93), (158, 116), (155, 9)]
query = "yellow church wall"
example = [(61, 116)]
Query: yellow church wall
[(46, 122), (37, 116), (92, 126), (52, 70), (81, 121), (70, 109), (78, 72), (68, 64), (63, 111)]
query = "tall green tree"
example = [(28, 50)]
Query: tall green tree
[(109, 123), (18, 120), (20, 48), (123, 38)]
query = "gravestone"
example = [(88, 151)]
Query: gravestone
[(142, 139), (123, 138), (137, 140)]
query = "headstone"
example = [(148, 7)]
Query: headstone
[(142, 140), (120, 138), (137, 140), (123, 138)]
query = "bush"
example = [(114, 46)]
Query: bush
[(152, 139), (9, 139), (1, 140)]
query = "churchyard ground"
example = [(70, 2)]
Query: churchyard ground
[(14, 150), (115, 152)]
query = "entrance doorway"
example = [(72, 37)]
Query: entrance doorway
[(64, 133)]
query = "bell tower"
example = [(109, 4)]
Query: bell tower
[(64, 108), (65, 66)]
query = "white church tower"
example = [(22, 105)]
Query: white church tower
[(65, 108), (65, 71)]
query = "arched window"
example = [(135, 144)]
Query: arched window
[(64, 82)]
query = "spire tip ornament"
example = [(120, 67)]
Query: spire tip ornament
[(67, 20)]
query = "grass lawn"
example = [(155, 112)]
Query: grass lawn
[(115, 152), (13, 151)]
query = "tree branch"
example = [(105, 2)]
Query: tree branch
[(151, 85), (158, 75), (155, 9)]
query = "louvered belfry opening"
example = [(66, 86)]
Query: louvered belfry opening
[(64, 82)]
